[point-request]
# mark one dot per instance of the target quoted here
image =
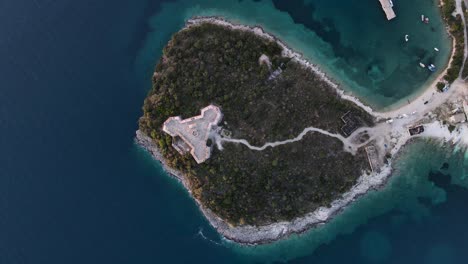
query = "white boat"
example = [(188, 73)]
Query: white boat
[(436, 49), (422, 65), (422, 18), (406, 38)]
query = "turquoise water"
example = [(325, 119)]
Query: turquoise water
[(74, 188), (367, 55), (407, 199), (396, 224), (350, 40)]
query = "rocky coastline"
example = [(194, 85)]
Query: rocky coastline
[(287, 52), (254, 235)]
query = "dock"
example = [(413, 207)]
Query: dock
[(387, 6), (373, 157)]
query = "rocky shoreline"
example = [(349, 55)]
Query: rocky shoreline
[(287, 52), (254, 235)]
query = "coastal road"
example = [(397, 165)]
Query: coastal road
[(459, 10)]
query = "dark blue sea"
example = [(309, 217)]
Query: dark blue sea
[(74, 188)]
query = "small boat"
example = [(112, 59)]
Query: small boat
[(422, 65), (406, 38), (436, 49), (422, 18), (432, 67), (426, 20)]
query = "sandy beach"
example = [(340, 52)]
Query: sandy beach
[(427, 94)]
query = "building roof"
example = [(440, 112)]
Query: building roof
[(416, 130), (458, 118), (195, 131)]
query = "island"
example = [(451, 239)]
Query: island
[(267, 144)]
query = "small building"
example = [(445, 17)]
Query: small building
[(191, 134), (458, 118), (373, 158), (416, 130)]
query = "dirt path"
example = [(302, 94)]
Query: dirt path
[(348, 144), (402, 117)]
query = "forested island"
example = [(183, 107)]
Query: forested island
[(282, 148), (211, 64)]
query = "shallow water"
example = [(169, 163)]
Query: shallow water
[(75, 189), (409, 201), (351, 40)]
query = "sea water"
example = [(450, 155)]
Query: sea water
[(405, 212), (74, 188), (351, 41)]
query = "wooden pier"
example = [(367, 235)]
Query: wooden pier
[(387, 7)]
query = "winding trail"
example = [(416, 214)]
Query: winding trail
[(388, 136), (348, 145), (402, 117)]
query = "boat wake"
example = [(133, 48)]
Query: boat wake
[(200, 234)]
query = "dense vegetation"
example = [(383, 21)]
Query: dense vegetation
[(211, 64), (456, 29), (440, 86)]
